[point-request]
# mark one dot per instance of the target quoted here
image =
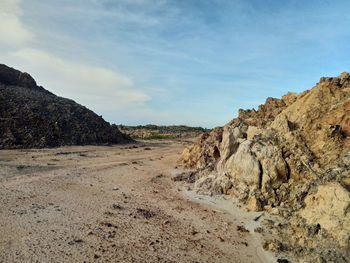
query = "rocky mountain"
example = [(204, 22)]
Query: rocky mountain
[(31, 116), (151, 131), (291, 158)]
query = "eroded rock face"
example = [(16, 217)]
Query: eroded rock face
[(277, 156), (206, 152), (330, 208), (31, 116), (213, 185), (244, 168)]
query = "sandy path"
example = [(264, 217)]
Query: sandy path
[(108, 204)]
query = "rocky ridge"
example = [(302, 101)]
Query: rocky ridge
[(290, 157), (31, 116)]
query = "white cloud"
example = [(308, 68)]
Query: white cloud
[(84, 82), (99, 87), (12, 30)]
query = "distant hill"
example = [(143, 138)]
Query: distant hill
[(151, 131), (31, 116)]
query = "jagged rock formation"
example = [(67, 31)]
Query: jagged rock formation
[(284, 156), (31, 116)]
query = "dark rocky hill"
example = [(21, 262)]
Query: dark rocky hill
[(32, 117)]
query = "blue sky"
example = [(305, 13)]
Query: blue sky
[(193, 62)]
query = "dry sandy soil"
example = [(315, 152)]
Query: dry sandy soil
[(109, 204)]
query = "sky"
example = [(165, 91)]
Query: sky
[(192, 62)]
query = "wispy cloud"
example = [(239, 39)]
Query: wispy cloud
[(109, 89), (12, 31)]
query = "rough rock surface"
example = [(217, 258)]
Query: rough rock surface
[(290, 155), (31, 116), (205, 152), (330, 208)]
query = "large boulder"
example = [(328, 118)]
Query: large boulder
[(244, 168), (255, 166)]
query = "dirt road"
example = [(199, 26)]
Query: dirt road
[(108, 204)]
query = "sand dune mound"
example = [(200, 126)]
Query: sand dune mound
[(31, 116)]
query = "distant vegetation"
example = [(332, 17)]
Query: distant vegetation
[(155, 132)]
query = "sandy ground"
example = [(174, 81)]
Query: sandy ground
[(110, 204)]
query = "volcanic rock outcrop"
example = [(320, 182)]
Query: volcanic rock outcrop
[(290, 157), (31, 116)]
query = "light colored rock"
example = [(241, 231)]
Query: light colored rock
[(205, 152), (258, 166), (274, 211), (330, 207), (253, 131), (274, 169), (213, 185), (281, 123), (188, 157), (253, 204), (290, 98), (204, 184), (224, 183), (228, 147), (243, 167)]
